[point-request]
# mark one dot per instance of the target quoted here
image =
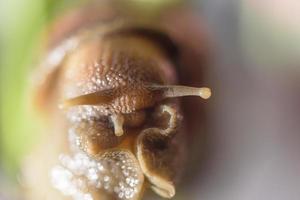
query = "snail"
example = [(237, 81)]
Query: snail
[(108, 86)]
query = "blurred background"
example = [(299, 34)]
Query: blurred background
[(253, 131)]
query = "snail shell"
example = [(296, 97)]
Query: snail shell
[(118, 127)]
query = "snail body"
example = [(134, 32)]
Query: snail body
[(108, 92)]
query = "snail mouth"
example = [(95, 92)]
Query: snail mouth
[(154, 147), (129, 141), (94, 135), (94, 140), (150, 139)]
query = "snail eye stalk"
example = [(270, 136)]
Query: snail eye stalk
[(153, 94), (102, 97), (172, 91), (166, 91)]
